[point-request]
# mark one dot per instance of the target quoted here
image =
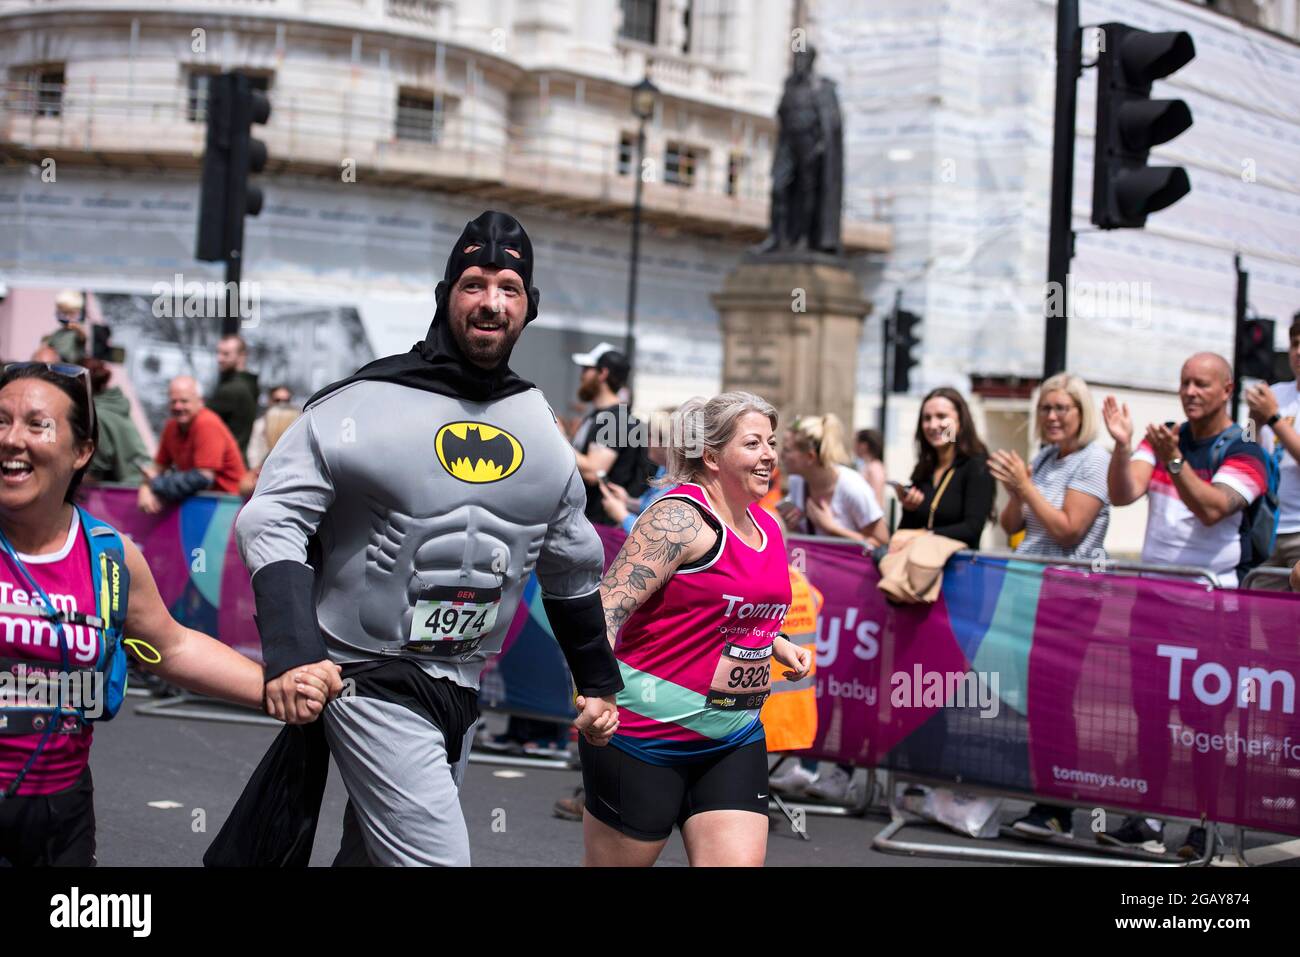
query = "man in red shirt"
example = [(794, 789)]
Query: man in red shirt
[(196, 452)]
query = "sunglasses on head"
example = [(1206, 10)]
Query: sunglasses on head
[(68, 371)]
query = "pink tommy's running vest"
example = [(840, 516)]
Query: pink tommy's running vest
[(696, 657), (30, 641)]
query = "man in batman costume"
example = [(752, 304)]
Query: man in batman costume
[(394, 527)]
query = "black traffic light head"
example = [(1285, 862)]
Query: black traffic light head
[(905, 340), (212, 245), (247, 154), (1124, 189), (1255, 351), (231, 155)]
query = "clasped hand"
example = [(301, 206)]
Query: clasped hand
[(300, 694), (597, 718)]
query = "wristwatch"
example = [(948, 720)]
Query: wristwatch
[(1274, 419), (1175, 465)]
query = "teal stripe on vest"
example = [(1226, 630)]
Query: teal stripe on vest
[(668, 703)]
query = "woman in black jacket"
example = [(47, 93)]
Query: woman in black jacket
[(952, 491)]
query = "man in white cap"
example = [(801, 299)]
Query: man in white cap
[(608, 441)]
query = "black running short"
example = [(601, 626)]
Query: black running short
[(50, 830), (644, 800)]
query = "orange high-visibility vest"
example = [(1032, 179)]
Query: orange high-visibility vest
[(790, 713)]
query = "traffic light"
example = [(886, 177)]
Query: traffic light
[(1124, 189), (231, 155), (905, 339), (101, 346), (1255, 351)]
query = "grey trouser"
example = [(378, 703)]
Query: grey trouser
[(1286, 552), (403, 794)]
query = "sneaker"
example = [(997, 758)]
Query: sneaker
[(1040, 822), (1193, 848), (544, 749), (499, 743), (833, 786), (570, 808), (792, 779), (1135, 832)]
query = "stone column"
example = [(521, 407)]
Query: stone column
[(791, 327)]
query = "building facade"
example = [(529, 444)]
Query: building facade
[(393, 122), (948, 112)]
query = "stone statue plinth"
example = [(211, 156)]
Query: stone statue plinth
[(791, 324)]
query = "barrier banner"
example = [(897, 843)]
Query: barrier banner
[(192, 554), (1156, 695)]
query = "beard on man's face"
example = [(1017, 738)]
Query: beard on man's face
[(588, 388), (485, 352)]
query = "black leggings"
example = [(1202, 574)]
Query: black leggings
[(50, 830), (644, 800)]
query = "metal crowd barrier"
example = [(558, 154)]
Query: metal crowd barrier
[(876, 780), (1255, 575), (1097, 855), (1104, 566)]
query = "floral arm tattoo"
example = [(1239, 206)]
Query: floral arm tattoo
[(655, 549)]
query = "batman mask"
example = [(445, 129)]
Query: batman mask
[(502, 243), (437, 363)]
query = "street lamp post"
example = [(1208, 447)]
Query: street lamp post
[(645, 96)]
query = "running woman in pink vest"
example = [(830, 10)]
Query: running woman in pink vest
[(52, 624), (693, 606)]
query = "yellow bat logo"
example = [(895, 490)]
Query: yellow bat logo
[(478, 452)]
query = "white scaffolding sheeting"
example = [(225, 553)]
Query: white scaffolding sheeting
[(948, 121), (380, 251)]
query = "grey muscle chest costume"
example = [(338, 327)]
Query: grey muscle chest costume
[(390, 496), (409, 523)]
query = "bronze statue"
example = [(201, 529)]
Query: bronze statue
[(808, 165)]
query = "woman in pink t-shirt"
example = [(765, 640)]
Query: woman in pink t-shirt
[(694, 603), (47, 439)]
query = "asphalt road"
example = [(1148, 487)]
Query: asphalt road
[(165, 785)]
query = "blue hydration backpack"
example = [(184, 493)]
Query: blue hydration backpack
[(112, 586), (1261, 516), (112, 582)]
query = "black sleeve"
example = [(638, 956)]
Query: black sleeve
[(976, 504), (286, 617), (919, 515), (579, 626)]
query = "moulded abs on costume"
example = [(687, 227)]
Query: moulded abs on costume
[(410, 523)]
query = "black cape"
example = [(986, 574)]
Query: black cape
[(273, 824), (436, 364)]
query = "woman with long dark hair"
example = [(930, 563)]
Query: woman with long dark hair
[(952, 491)]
